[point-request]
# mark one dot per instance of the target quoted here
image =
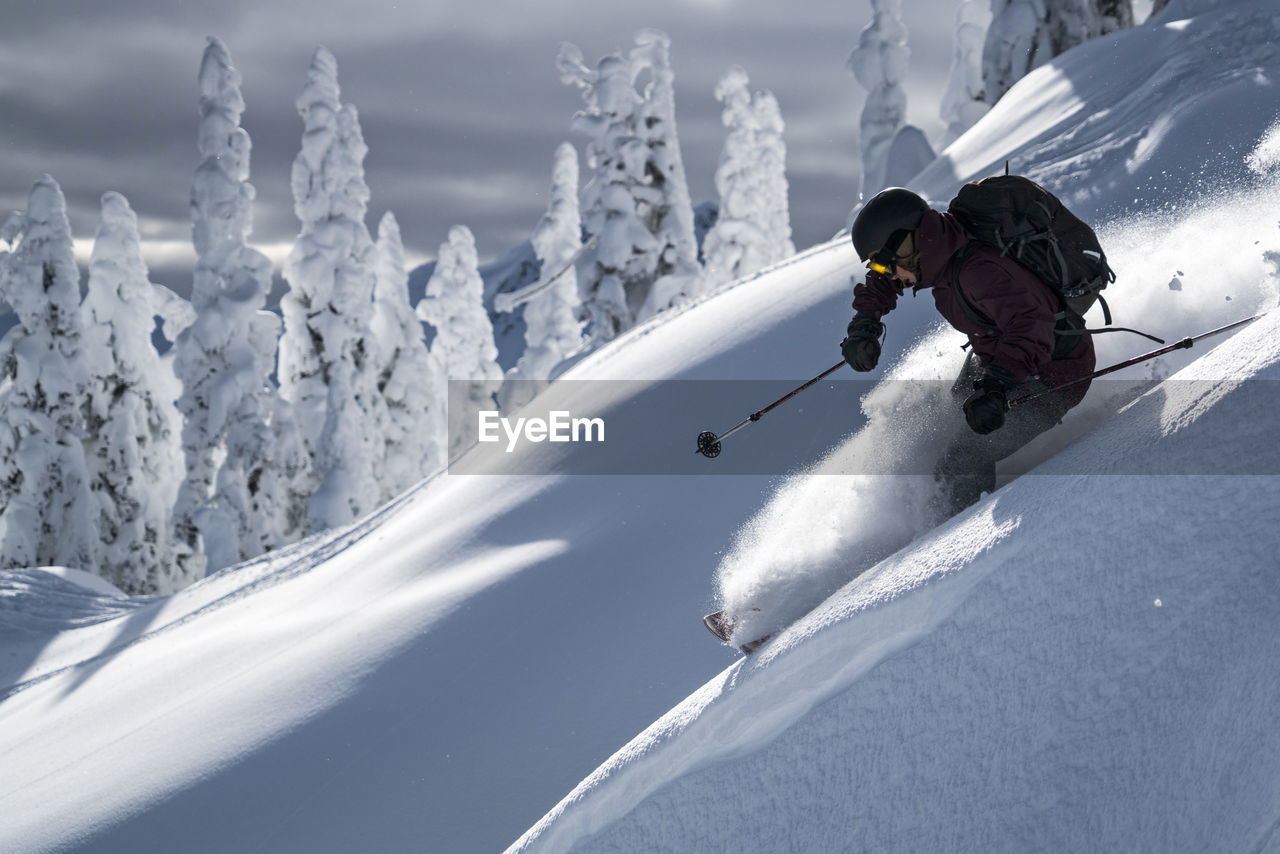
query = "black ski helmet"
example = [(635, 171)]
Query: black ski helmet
[(890, 214)]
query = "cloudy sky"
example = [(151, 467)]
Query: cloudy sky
[(460, 102)]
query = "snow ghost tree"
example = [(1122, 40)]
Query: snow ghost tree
[(463, 343), (754, 226), (636, 207), (553, 329), (47, 514), (670, 216), (1026, 34), (224, 358), (410, 378), (965, 100), (879, 63), (328, 369), (133, 444)]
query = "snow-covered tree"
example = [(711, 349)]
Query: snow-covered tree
[(670, 216), (754, 225), (636, 206), (281, 476), (133, 445), (879, 63), (172, 311), (1026, 34), (552, 304), (47, 513), (328, 369), (965, 99), (1117, 14), (224, 358), (410, 378), (463, 343)]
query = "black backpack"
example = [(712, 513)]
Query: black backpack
[(1033, 227), (1030, 225)]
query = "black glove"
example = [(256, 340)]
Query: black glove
[(985, 408), (861, 348)]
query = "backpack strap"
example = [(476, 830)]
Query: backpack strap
[(970, 310)]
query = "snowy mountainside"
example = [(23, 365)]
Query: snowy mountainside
[(880, 729), (1147, 118), (439, 675), (783, 564), (1079, 662), (374, 688)]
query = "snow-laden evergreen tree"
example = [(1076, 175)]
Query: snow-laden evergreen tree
[(463, 343), (410, 377), (47, 513), (754, 225), (173, 312), (281, 478), (1116, 14), (670, 214), (552, 305), (1026, 34), (879, 63), (328, 367), (965, 99), (133, 445), (224, 358), (636, 206)]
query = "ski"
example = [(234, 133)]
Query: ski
[(718, 624), (721, 626)]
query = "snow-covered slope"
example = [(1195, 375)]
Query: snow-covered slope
[(1078, 662), (1144, 119), (438, 676), (1082, 661)]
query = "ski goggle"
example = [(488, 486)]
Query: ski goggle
[(906, 255), (876, 265)]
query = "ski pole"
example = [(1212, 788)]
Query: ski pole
[(709, 442), (1184, 344)]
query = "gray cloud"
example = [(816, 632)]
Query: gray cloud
[(460, 102)]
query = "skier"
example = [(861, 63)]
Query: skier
[(1022, 339)]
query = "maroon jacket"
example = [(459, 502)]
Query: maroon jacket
[(1014, 299)]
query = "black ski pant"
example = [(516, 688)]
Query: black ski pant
[(967, 467)]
